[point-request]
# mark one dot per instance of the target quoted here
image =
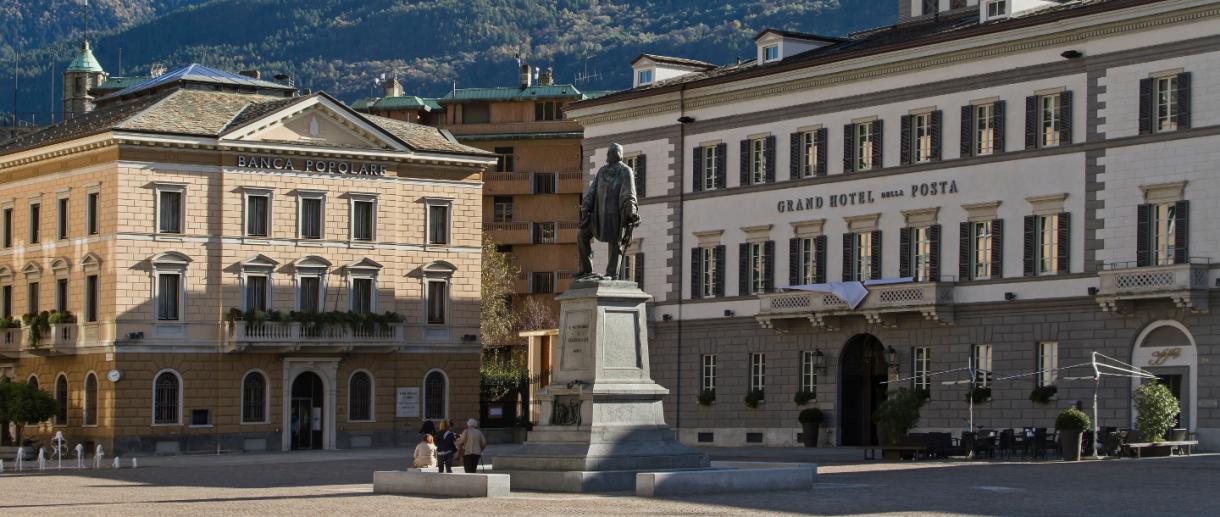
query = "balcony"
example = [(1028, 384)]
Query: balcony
[(571, 183), (512, 129), (506, 184), (508, 233), (527, 183), (932, 300), (295, 337), (1123, 284)]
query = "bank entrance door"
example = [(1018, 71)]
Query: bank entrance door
[(862, 369), (306, 412), (1176, 385)]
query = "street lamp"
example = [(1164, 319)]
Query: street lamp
[(891, 358), (819, 361)]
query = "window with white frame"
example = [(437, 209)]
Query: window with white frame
[(982, 365), (631, 264), (1047, 245), (709, 272), (169, 277), (865, 140), (810, 152), (438, 301), (364, 217), (997, 8), (1163, 233), (644, 77), (504, 159), (808, 257), (61, 294), (1049, 124), (770, 53), (707, 376), (710, 173), (862, 256), (310, 215), (8, 227), (758, 161), (310, 273), (61, 219), (544, 233), (980, 257), (809, 376), (258, 213), (921, 253), (35, 222), (921, 363), (362, 295), (438, 222), (167, 398), (1165, 94), (758, 267), (91, 298), (758, 372), (91, 213), (984, 129), (502, 209), (1048, 363), (170, 207), (921, 137), (31, 297), (258, 290)]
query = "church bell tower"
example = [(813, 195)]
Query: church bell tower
[(82, 75)]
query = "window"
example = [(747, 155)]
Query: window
[(476, 113), (90, 406), (980, 258), (91, 222), (921, 253), (435, 391), (758, 271), (638, 164), (438, 302), (809, 377), (169, 209), (710, 273), (982, 365), (61, 396), (711, 163), (545, 182), (363, 218), (707, 378), (1161, 233), (644, 77), (921, 367), (929, 6), (61, 294), (1048, 120), (91, 298), (362, 295), (8, 301), (921, 137), (201, 418), (1047, 244), (862, 257), (984, 129), (632, 268), (167, 399), (1048, 363), (169, 296), (360, 397), (770, 53), (542, 282), (810, 156), (544, 233), (35, 221), (502, 209), (997, 8), (438, 223), (757, 161), (758, 372), (548, 110), (310, 206), (807, 261), (257, 292), (504, 159), (61, 219), (31, 292), (254, 399), (309, 294), (258, 214), (864, 151), (1166, 92), (33, 381), (8, 227)]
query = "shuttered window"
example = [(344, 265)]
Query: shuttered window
[(984, 129), (707, 271), (757, 260), (807, 260), (808, 154), (863, 256), (1163, 234)]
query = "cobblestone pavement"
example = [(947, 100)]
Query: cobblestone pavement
[(338, 483)]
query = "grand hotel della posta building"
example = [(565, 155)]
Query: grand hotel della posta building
[(1013, 183), (244, 267)]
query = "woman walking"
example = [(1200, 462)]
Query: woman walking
[(446, 448), (472, 442)]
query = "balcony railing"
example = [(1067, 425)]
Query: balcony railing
[(1123, 283), (571, 182), (508, 233), (933, 300), (242, 334), (524, 183)]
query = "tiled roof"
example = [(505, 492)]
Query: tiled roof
[(406, 102), (674, 60), (423, 137), (118, 83), (196, 73), (508, 93)]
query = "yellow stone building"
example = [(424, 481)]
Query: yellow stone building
[(243, 268)]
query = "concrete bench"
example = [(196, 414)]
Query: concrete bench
[(431, 483), (1180, 445), (723, 481)]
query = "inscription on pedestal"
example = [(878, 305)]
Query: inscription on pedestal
[(576, 342), (622, 346)]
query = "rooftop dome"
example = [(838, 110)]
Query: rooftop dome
[(84, 61)]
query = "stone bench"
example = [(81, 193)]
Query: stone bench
[(723, 481), (431, 483)]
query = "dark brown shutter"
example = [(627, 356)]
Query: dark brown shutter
[(823, 141), (904, 139), (794, 150), (965, 244), (720, 253), (967, 132), (937, 123), (743, 269), (997, 248), (1031, 243), (934, 254), (697, 171), (997, 110), (641, 175), (904, 252), (696, 273), (722, 166), (1184, 100), (1031, 122), (639, 270), (1065, 118), (819, 254), (1181, 231), (849, 148), (1143, 219), (1146, 106), (848, 240), (878, 144), (1065, 242), (769, 266), (745, 163), (769, 153), (876, 258), (794, 262)]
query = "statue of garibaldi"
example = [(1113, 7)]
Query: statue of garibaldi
[(608, 212)]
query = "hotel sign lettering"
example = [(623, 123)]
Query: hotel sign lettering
[(866, 197), (311, 165)]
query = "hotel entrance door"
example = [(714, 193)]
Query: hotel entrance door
[(306, 412)]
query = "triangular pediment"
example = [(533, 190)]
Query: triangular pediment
[(316, 121)]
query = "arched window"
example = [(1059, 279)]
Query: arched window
[(91, 399), (61, 396), (33, 381), (360, 397), (254, 398), (167, 398), (435, 403)]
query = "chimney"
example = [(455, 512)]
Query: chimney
[(526, 79), (391, 87), (547, 78), (255, 74)]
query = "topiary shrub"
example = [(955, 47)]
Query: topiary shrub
[(899, 413), (810, 416), (1157, 409), (1043, 394), (706, 397), (1072, 419), (754, 397), (804, 397)]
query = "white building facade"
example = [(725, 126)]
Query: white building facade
[(1037, 179)]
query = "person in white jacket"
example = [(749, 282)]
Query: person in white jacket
[(425, 453)]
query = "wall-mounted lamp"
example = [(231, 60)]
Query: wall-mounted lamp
[(469, 338), (1071, 54), (1010, 296), (1093, 291), (728, 313), (819, 361), (666, 317), (891, 359), (685, 119)]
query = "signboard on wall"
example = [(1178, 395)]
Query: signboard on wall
[(407, 403)]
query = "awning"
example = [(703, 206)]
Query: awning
[(853, 293)]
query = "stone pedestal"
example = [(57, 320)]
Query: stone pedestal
[(601, 418)]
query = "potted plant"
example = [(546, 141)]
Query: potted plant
[(898, 415), (1156, 411), (810, 419), (1071, 423), (1043, 394), (804, 397), (979, 395), (706, 397), (754, 397)]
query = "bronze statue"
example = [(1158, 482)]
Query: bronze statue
[(608, 212)]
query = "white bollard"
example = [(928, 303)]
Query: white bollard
[(98, 454), (116, 462), (80, 453), (42, 459), (20, 458), (134, 463)]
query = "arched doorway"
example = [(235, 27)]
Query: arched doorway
[(1167, 349), (862, 369), (306, 412)]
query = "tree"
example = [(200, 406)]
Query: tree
[(1156, 411), (537, 315), (498, 322), (23, 405)]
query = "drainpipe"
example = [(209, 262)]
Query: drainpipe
[(681, 262)]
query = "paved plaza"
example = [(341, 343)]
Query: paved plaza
[(339, 483)]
